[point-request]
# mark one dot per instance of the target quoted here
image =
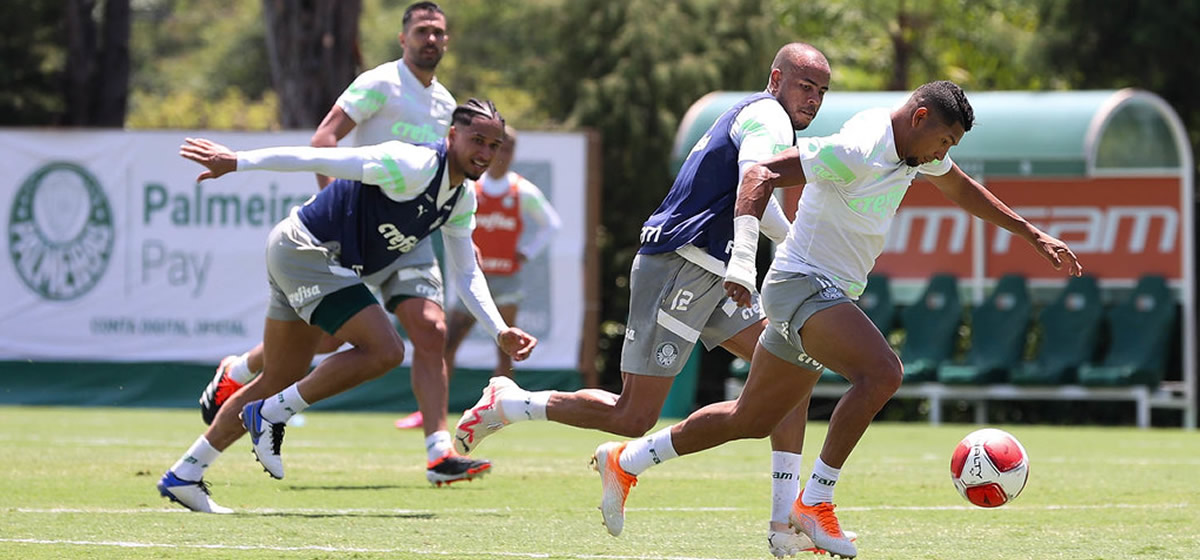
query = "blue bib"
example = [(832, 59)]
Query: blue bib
[(699, 207), (371, 229)]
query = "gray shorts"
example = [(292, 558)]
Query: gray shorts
[(672, 303), (789, 299), (302, 273), (401, 281)]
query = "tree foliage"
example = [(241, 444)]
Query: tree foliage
[(898, 45), (200, 64), (1143, 45), (630, 70), (33, 57)]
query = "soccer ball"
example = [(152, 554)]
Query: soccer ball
[(989, 467)]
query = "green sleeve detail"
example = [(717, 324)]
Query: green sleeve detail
[(395, 176), (753, 128), (366, 100), (461, 221), (832, 168)]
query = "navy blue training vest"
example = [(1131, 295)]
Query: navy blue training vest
[(372, 229), (699, 207)]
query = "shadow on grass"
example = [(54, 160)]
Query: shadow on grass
[(362, 514), (351, 487)]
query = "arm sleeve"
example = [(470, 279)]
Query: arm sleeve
[(343, 163), (535, 207), (472, 287), (400, 170)]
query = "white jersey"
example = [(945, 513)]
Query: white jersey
[(855, 182), (388, 102)]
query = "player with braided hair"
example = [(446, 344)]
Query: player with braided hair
[(387, 198)]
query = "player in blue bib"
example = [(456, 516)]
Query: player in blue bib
[(390, 197), (677, 298)]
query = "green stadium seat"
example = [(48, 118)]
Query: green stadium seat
[(1070, 335), (876, 303), (1140, 331), (930, 325), (998, 331)]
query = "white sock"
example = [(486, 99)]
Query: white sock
[(785, 484), (277, 409), (197, 459), (525, 405), (645, 452), (437, 445), (240, 370), (820, 485)]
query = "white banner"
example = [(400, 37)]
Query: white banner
[(115, 253)]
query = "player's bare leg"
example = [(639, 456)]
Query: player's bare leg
[(504, 361), (458, 326)]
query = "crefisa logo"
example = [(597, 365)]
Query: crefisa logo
[(60, 231)]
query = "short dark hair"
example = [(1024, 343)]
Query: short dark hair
[(947, 100), (466, 113), (420, 7)]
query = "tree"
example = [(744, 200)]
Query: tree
[(630, 70), (96, 81), (313, 51), (1129, 45), (890, 45), (30, 48)]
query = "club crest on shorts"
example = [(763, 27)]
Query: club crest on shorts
[(831, 292), (666, 354)]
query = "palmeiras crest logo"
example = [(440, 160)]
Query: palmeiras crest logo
[(60, 231), (666, 353)]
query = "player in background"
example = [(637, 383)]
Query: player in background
[(390, 196), (397, 100), (676, 293), (854, 181), (507, 202)]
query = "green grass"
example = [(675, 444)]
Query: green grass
[(79, 483)]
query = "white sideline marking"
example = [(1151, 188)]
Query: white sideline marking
[(338, 549), (384, 511)]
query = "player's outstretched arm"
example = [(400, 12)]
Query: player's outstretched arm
[(964, 191), (216, 158)]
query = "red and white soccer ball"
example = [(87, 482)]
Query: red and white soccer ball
[(989, 467)]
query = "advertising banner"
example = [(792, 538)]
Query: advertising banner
[(115, 253), (1120, 228)]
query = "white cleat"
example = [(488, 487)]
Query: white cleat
[(615, 484), (784, 541), (266, 436), (189, 494), (485, 418)]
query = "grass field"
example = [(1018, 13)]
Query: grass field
[(79, 483)]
